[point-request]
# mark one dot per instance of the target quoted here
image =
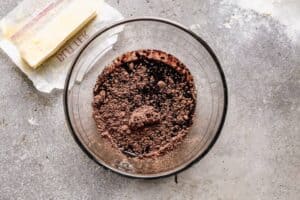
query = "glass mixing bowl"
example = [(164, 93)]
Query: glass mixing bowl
[(146, 33)]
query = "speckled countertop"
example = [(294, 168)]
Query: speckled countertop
[(256, 157)]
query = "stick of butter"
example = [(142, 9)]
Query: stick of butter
[(39, 41)]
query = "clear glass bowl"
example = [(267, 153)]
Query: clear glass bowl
[(147, 33)]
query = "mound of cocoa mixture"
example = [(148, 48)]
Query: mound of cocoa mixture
[(144, 103)]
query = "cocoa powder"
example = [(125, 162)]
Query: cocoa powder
[(144, 103)]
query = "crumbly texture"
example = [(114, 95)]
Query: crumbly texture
[(144, 103)]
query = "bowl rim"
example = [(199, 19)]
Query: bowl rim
[(161, 174)]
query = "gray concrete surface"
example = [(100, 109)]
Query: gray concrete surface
[(256, 157)]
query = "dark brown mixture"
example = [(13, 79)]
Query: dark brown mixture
[(144, 103)]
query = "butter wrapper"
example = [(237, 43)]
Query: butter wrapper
[(52, 73)]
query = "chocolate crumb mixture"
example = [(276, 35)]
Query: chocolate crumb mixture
[(144, 103)]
